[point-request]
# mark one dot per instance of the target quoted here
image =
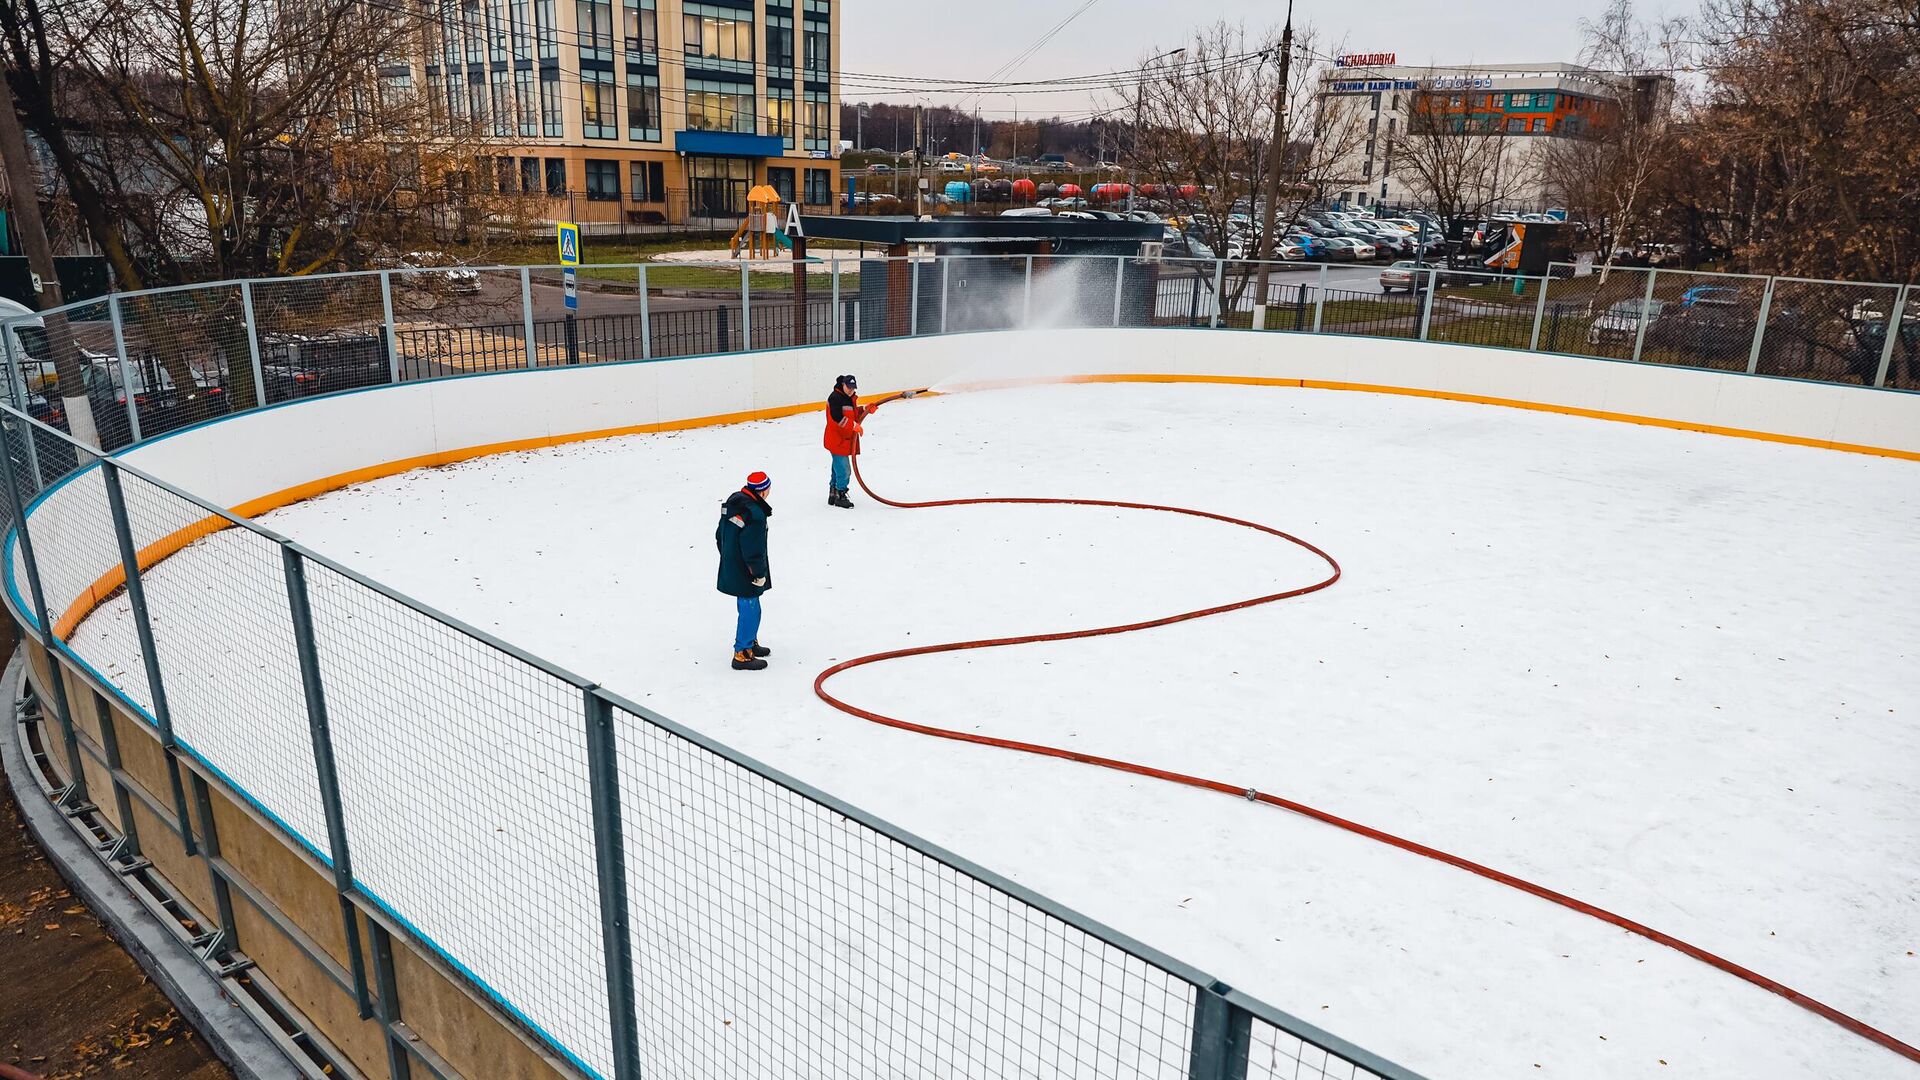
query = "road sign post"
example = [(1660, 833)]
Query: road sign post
[(567, 235)]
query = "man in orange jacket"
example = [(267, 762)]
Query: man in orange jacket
[(844, 415)]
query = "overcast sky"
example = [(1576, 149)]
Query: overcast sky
[(973, 38)]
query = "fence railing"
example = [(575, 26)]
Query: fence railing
[(665, 878)]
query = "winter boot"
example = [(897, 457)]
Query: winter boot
[(746, 661), (840, 499), (833, 494), (758, 649)]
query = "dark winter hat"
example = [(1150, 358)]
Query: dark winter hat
[(759, 482), (849, 382)]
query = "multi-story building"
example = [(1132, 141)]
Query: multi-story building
[(640, 111), (1527, 106)]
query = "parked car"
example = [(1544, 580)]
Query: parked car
[(1356, 250), (1621, 322), (1291, 249), (299, 365), (1409, 275), (880, 169), (1710, 294), (452, 276), (1311, 246)]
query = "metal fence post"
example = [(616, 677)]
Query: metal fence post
[(1222, 1036), (603, 781), (126, 850), (1539, 311), (1426, 309), (1119, 284), (1760, 328), (746, 315), (646, 324), (387, 1003), (126, 368), (946, 272), (1893, 336), (386, 315), (1026, 294), (299, 605), (75, 793), (839, 321), (1219, 272), (143, 629), (253, 345), (913, 296), (526, 317), (1640, 324), (1320, 298), (17, 380)]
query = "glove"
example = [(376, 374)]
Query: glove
[(759, 582), (858, 430)]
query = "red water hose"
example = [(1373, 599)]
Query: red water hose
[(1858, 1027)]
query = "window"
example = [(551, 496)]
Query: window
[(1373, 125), (818, 56), (497, 26), (550, 119), (718, 38), (522, 17), (598, 119), (780, 113), (1391, 123), (782, 181), (643, 107), (436, 103), (819, 187), (502, 103), (474, 30), (603, 180), (556, 176), (642, 30), (1516, 123), (780, 45), (529, 175), (718, 106), (1396, 103), (503, 174), (816, 120), (647, 181), (596, 29), (477, 101), (523, 103), (544, 15), (1455, 101)]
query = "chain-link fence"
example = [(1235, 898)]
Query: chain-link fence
[(784, 933)]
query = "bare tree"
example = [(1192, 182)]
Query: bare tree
[(1208, 121), (1458, 162), (1606, 167)]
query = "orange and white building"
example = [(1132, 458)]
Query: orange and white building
[(1530, 104)]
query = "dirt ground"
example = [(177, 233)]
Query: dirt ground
[(72, 1002)]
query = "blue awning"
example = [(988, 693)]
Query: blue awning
[(729, 144)]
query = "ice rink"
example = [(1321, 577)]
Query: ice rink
[(1668, 673)]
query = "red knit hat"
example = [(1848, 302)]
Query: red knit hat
[(759, 482)]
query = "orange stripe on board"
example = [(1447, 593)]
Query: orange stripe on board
[(108, 583)]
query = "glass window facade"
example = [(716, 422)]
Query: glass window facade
[(599, 110), (595, 29), (648, 181), (780, 113), (719, 106), (819, 190), (717, 38), (550, 115), (643, 107), (816, 120), (641, 30), (603, 180)]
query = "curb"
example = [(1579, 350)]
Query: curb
[(229, 1031)]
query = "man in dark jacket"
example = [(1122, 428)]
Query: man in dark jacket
[(741, 537)]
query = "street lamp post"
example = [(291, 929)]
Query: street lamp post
[(1139, 111)]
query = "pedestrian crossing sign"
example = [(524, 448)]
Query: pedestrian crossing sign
[(569, 236)]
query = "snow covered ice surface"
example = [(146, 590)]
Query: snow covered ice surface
[(1668, 673)]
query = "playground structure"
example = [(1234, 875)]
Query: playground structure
[(760, 231)]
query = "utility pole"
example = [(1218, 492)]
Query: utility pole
[(1270, 180), (25, 190)]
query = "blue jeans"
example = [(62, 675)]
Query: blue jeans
[(747, 630), (842, 471)]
